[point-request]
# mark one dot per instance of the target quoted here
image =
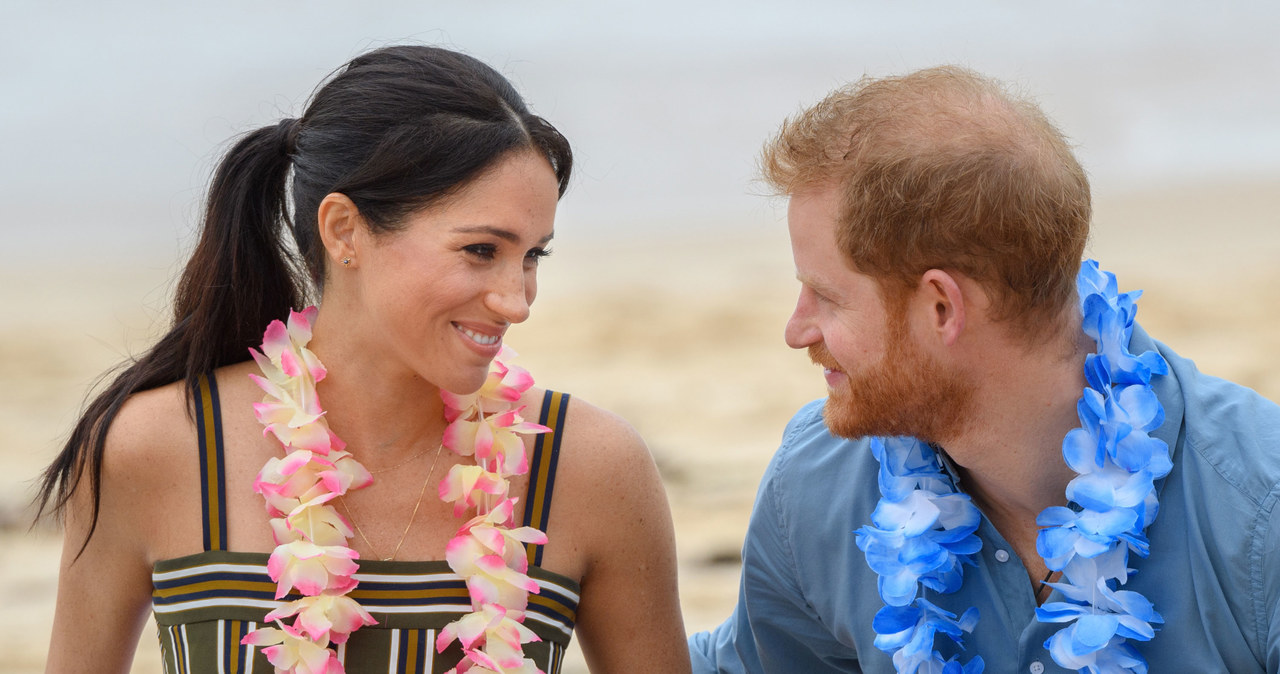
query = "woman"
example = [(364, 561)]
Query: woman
[(419, 194)]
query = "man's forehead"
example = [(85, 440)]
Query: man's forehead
[(818, 199)]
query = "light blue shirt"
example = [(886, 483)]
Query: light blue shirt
[(807, 596)]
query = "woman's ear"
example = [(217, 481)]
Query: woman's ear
[(941, 292), (338, 220)]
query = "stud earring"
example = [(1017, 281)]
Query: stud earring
[(346, 261)]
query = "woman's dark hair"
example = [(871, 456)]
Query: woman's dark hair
[(394, 130)]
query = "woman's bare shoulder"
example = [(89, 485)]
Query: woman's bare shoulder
[(611, 526), (139, 478), (158, 422), (149, 428), (605, 435), (592, 435), (602, 456)]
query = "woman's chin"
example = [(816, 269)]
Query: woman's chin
[(466, 383)]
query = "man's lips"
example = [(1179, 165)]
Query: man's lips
[(831, 371), (833, 377)]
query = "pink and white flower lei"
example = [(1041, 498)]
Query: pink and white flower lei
[(311, 537), (488, 551), (312, 554)]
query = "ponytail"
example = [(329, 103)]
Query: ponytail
[(239, 278)]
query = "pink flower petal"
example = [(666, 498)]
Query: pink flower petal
[(300, 323), (275, 338), (460, 437), (290, 364), (483, 439), (265, 636)]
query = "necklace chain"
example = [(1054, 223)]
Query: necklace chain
[(403, 536), (316, 469), (1044, 585), (413, 456)]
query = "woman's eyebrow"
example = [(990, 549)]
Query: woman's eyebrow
[(504, 234)]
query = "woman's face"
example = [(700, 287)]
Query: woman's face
[(439, 294)]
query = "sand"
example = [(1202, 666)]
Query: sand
[(682, 336)]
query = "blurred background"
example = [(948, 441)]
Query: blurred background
[(671, 278)]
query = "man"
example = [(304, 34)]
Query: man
[(937, 224)]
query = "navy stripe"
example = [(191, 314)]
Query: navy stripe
[(423, 654), (558, 425), (546, 612), (459, 598), (217, 447), (535, 476), (202, 444), (213, 506), (535, 462), (248, 577), (262, 577), (222, 593), (403, 656), (547, 593), (230, 645), (396, 585)]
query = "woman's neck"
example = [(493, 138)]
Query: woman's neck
[(376, 406)]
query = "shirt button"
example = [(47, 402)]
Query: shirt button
[(1036, 667), (1003, 556)]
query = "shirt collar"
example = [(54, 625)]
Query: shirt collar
[(1168, 390)]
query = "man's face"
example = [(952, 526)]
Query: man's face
[(879, 379)]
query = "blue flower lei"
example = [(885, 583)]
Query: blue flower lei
[(923, 532)]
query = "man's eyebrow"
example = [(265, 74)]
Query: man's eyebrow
[(504, 234), (816, 284)]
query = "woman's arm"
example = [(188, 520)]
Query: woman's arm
[(629, 615), (104, 592)]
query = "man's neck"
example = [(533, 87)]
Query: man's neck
[(1010, 451)]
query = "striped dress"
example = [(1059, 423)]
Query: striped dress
[(207, 602)]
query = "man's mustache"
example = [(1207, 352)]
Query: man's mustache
[(819, 354)]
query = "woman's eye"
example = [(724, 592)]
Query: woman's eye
[(484, 251), (536, 254)]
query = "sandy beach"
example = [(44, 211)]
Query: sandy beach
[(682, 336)]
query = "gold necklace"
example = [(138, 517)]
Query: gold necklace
[(412, 517), (415, 455)]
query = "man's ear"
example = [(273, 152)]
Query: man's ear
[(940, 292), (338, 220)]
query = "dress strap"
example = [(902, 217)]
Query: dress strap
[(213, 495), (542, 468)]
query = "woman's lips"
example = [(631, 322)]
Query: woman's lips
[(483, 342)]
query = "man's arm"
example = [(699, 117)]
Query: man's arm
[(774, 628), (1266, 554)]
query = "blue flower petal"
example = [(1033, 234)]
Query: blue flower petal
[(1081, 450), (1055, 543), (1055, 516), (1139, 406), (897, 589), (1105, 526), (1092, 632), (894, 619)]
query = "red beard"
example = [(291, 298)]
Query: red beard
[(907, 393)]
